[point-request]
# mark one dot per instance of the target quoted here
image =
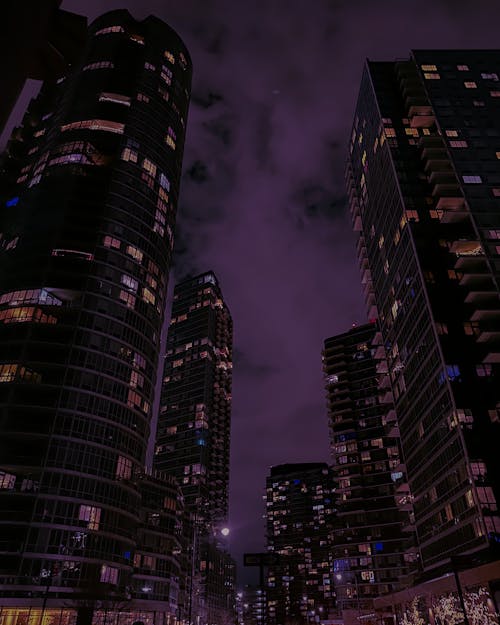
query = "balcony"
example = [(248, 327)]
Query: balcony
[(466, 247), (470, 256), (390, 417), (430, 141), (393, 430), (366, 276), (421, 116), (444, 182), (386, 398), (382, 367), (491, 335), (476, 280), (492, 357), (373, 312), (384, 382), (437, 160), (486, 314), (478, 297)]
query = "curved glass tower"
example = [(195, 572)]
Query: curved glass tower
[(90, 185)]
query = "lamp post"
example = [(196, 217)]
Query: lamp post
[(46, 575)]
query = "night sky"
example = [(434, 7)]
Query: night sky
[(262, 195)]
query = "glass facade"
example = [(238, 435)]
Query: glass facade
[(193, 437), (299, 515), (423, 179), (372, 541), (195, 414), (89, 189)]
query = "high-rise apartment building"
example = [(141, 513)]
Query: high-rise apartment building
[(424, 185), (299, 515), (193, 436), (39, 41), (193, 433), (372, 537), (89, 185)]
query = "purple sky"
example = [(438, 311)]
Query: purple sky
[(262, 197)]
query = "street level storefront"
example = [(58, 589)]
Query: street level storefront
[(441, 601)]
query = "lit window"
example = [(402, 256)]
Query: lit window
[(389, 132), (413, 132), (109, 574), (149, 167), (164, 93), (95, 124), (129, 282), (136, 379), (458, 144), (110, 29), (134, 252), (432, 76), (472, 179), (429, 68), (29, 296), (150, 67), (75, 254), (137, 39), (495, 94), (497, 154), (128, 299), (170, 57), (490, 76), (463, 68), (21, 314), (483, 370), (90, 514), (148, 296), (451, 133), (98, 65), (166, 74), (124, 468), (142, 97), (164, 183), (111, 242), (129, 155), (8, 372), (478, 103), (496, 192), (493, 234), (114, 97), (7, 481), (453, 372), (170, 142), (470, 85)]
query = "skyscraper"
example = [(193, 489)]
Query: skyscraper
[(299, 514), (424, 185), (372, 539), (90, 185), (193, 436)]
